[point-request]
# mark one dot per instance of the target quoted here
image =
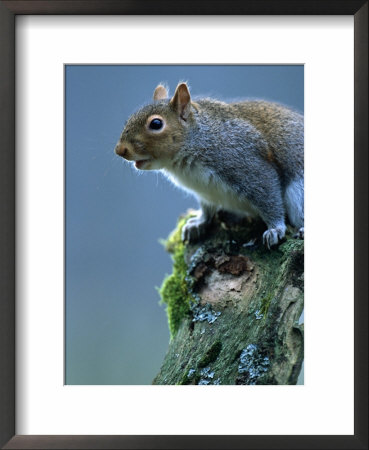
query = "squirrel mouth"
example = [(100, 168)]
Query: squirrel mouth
[(141, 164)]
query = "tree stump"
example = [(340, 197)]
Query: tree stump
[(234, 307)]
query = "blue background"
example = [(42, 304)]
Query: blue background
[(116, 331)]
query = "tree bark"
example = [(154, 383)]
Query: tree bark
[(234, 307)]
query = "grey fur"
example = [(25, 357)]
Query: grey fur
[(245, 157)]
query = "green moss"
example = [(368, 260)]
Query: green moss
[(292, 245), (174, 291), (174, 240), (211, 355), (265, 303)]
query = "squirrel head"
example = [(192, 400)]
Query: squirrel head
[(153, 135)]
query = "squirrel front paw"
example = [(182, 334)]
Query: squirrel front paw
[(194, 229), (272, 236)]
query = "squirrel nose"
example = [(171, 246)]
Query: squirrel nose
[(121, 150)]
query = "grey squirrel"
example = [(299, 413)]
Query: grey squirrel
[(245, 157)]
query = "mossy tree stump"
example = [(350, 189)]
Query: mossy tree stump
[(234, 307)]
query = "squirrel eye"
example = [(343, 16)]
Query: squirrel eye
[(156, 124)]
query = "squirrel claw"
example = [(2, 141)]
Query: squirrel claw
[(193, 229), (272, 236)]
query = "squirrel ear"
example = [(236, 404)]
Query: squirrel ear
[(181, 101), (160, 93)]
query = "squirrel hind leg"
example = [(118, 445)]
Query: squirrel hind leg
[(294, 203)]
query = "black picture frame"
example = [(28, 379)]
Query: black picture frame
[(8, 12)]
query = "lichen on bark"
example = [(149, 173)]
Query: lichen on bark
[(233, 307)]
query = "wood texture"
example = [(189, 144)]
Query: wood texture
[(242, 326)]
